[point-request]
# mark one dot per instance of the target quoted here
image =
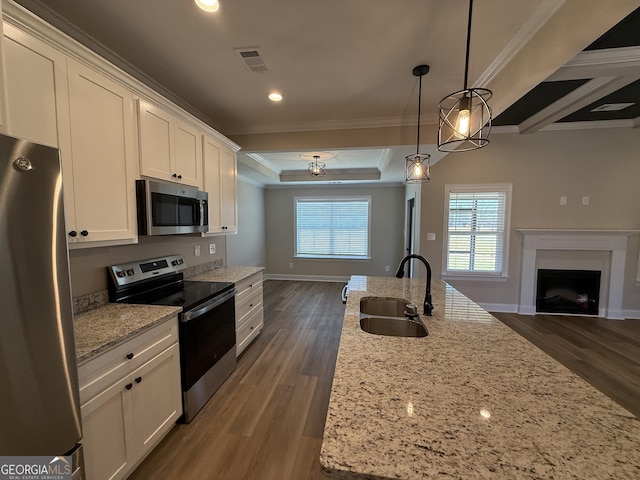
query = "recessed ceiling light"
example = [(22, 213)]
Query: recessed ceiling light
[(275, 97), (612, 107), (208, 5)]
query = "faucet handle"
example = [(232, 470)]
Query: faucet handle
[(411, 310)]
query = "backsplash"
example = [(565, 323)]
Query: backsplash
[(91, 301)]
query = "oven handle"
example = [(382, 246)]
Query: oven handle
[(209, 305)]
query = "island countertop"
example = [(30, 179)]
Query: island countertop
[(473, 400)]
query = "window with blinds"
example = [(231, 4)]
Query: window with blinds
[(332, 227), (477, 229)]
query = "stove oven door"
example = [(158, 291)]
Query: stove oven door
[(207, 350)]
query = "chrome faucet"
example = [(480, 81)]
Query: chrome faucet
[(428, 306)]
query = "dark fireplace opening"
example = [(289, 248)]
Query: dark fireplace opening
[(568, 291)]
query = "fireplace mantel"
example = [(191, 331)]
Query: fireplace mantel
[(614, 241)]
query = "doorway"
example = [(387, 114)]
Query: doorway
[(410, 232)]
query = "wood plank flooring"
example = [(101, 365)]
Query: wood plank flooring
[(605, 353), (267, 420)]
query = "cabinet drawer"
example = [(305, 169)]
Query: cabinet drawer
[(247, 303), (249, 330), (105, 369), (250, 283)]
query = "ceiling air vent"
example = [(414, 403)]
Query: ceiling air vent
[(252, 59)]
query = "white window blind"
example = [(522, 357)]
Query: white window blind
[(332, 227), (476, 232)]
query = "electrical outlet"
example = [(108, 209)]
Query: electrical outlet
[(386, 269), (212, 248), (291, 265), (196, 251), (563, 200), (585, 200)]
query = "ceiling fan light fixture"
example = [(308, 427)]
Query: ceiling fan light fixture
[(418, 165), (208, 5), (464, 120)]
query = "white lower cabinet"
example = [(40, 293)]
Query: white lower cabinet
[(249, 311), (123, 419)]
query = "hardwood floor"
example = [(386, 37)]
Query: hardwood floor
[(606, 353), (267, 420)]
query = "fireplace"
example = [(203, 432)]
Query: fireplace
[(603, 250), (568, 291)]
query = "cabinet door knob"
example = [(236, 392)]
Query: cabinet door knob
[(180, 177), (129, 356), (175, 175), (73, 233), (138, 379), (84, 233), (128, 386)]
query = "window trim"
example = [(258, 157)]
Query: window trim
[(332, 198), (503, 275)]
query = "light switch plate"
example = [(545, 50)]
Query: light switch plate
[(196, 251), (212, 248)]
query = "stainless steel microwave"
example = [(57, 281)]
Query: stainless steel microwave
[(169, 209)]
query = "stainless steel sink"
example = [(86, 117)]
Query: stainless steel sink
[(386, 316), (393, 327), (383, 306)]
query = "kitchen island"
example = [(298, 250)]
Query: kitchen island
[(472, 400)]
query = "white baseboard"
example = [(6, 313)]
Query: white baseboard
[(628, 314), (499, 307), (305, 278)]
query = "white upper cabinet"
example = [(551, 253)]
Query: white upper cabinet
[(220, 180), (103, 157), (55, 100), (170, 149), (36, 80), (3, 91)]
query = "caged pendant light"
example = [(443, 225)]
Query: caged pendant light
[(316, 168), (465, 116), (418, 165)]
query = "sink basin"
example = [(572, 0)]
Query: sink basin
[(393, 327), (383, 307), (385, 316)]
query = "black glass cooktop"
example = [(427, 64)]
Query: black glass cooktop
[(188, 294)]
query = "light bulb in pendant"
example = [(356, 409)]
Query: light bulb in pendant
[(464, 118)]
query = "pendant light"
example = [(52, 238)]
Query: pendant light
[(316, 168), (465, 116), (418, 165)]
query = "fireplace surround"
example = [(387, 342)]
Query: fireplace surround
[(609, 245)]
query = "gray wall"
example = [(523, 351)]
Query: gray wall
[(387, 233), (247, 247), (603, 164)]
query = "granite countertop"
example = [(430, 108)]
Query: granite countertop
[(105, 327), (227, 274), (473, 400)]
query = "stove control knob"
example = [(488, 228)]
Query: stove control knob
[(130, 272), (174, 263), (120, 273)]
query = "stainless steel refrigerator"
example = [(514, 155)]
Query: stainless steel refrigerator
[(39, 401)]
